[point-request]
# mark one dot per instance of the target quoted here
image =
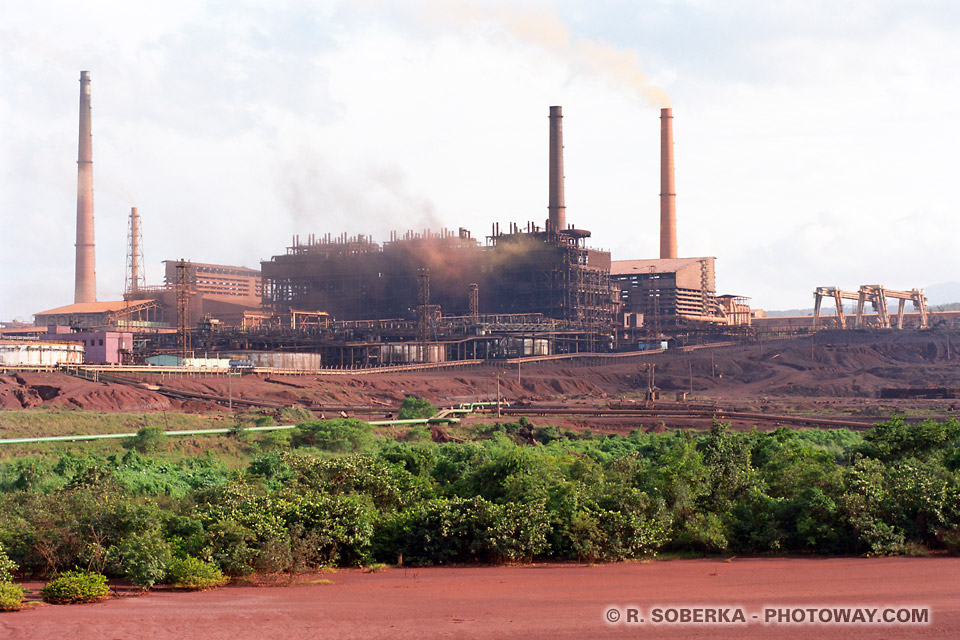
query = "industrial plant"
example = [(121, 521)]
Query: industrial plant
[(425, 296)]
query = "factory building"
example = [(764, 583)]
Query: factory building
[(99, 347), (535, 289), (672, 290), (130, 314), (39, 353), (522, 271), (225, 283), (224, 292), (525, 270), (355, 278)]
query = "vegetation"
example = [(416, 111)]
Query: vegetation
[(414, 408), (336, 494), (147, 440), (190, 573), (76, 586), (144, 558), (11, 596), (7, 567), (342, 435)]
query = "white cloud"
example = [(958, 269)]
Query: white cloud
[(814, 140)]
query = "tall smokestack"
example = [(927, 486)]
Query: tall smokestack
[(134, 248), (86, 278), (558, 213), (668, 196), (134, 260)]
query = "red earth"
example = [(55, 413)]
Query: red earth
[(530, 601), (832, 369)]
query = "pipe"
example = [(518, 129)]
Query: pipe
[(206, 432), (557, 220), (668, 196), (85, 286)]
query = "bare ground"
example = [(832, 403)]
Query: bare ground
[(533, 601), (834, 373)]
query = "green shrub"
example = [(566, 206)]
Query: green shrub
[(76, 586), (294, 415), (419, 433), (11, 596), (247, 420), (702, 532), (275, 555), (231, 546), (7, 567), (272, 440), (29, 474), (144, 558), (463, 530), (341, 526), (191, 573), (341, 435), (147, 440), (413, 408)]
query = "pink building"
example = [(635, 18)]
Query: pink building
[(99, 347)]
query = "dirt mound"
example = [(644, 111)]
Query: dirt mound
[(849, 364), (841, 364), (28, 390)]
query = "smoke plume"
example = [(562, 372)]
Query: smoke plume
[(542, 27)]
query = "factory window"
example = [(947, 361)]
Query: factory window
[(101, 342)]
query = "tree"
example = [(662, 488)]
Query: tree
[(414, 408)]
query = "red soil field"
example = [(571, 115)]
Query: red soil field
[(531, 601), (835, 368)]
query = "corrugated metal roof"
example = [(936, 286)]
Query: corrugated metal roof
[(89, 307), (654, 265)]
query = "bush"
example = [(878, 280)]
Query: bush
[(463, 530), (272, 440), (147, 440), (76, 586), (7, 567), (144, 558), (341, 526), (231, 546), (419, 433), (248, 420), (191, 573), (11, 596), (341, 435), (413, 408), (294, 415)]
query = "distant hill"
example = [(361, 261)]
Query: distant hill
[(943, 293), (790, 312)]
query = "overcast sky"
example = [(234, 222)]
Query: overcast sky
[(816, 140)]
